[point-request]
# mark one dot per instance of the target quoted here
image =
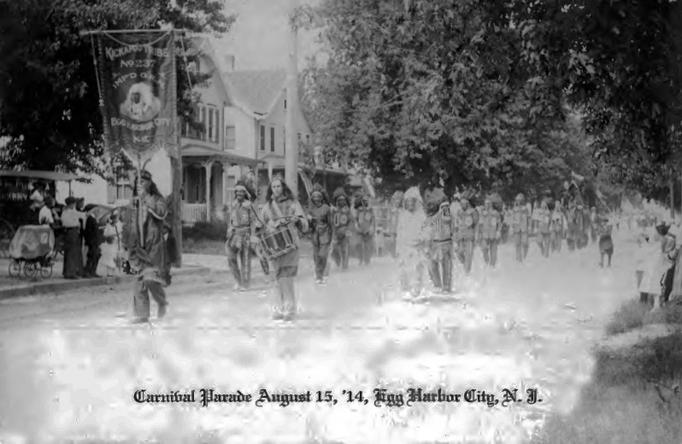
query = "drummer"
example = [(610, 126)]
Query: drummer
[(283, 211), (73, 254)]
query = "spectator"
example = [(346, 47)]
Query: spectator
[(73, 255), (92, 239)]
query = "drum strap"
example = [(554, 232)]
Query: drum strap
[(276, 210)]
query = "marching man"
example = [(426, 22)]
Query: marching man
[(391, 232), (365, 225), (490, 232), (557, 226), (241, 235), (342, 221), (520, 222), (467, 220), (320, 221), (541, 220), (439, 227)]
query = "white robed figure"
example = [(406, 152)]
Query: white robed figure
[(409, 243)]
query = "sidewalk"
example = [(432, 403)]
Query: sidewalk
[(193, 264), (11, 287)]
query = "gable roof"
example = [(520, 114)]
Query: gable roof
[(256, 90)]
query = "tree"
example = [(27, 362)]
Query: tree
[(438, 91), (618, 62), (49, 101)]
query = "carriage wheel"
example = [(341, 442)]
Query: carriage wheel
[(30, 269), (14, 268), (46, 272)]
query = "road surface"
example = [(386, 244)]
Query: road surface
[(72, 363)]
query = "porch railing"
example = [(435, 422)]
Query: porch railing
[(193, 213)]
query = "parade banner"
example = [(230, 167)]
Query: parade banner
[(137, 80)]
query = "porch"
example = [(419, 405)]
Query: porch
[(208, 180)]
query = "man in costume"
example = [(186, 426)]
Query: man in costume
[(147, 247), (440, 228), (282, 210), (520, 222), (489, 231), (391, 232), (541, 227), (557, 227), (410, 243), (604, 230), (467, 220), (365, 225), (241, 235), (320, 221), (342, 223)]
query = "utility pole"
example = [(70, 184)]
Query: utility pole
[(291, 155)]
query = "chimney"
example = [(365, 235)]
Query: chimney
[(229, 62)]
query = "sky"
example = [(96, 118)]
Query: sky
[(259, 38)]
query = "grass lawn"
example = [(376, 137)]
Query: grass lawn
[(634, 393)]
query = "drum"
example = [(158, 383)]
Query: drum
[(279, 242)]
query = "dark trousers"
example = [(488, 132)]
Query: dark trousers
[(489, 247), (93, 255), (440, 270), (239, 260), (365, 248), (320, 255), (141, 298)]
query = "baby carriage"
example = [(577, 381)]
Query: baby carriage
[(32, 252)]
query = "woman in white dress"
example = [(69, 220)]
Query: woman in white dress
[(658, 262)]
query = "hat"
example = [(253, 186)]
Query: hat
[(146, 175), (70, 200), (413, 193), (241, 186), (519, 197), (338, 194)]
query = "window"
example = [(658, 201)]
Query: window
[(272, 139), (213, 124), (262, 137), (121, 189), (285, 103), (299, 138), (203, 120), (230, 137), (307, 139), (210, 118), (284, 139)]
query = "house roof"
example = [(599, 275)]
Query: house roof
[(256, 90)]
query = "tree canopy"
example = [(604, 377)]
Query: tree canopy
[(49, 101), (500, 94)]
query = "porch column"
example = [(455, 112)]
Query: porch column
[(226, 166), (269, 171), (207, 169)]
